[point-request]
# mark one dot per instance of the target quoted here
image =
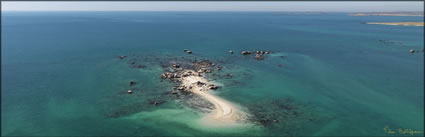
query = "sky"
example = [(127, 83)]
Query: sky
[(329, 6)]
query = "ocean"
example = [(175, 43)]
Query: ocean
[(328, 74)]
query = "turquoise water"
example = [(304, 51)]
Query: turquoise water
[(61, 74)]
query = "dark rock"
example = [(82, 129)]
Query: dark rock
[(213, 87), (133, 62), (264, 121), (176, 65), (176, 75), (207, 70), (181, 88), (131, 83), (164, 75), (157, 102), (246, 52), (200, 83), (261, 52), (141, 66)]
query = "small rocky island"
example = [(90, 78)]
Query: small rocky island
[(190, 78), (259, 54), (192, 81)]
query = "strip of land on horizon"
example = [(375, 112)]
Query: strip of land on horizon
[(398, 23), (389, 14)]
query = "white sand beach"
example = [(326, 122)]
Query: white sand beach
[(224, 110)]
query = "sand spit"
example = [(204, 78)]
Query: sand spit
[(224, 110)]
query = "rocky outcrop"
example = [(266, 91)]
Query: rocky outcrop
[(131, 83), (246, 52), (181, 88), (259, 54), (199, 83), (219, 68), (259, 57), (212, 86), (176, 65), (187, 51), (156, 102)]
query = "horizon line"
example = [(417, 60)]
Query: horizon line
[(200, 11)]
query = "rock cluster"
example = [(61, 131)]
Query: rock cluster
[(203, 66), (171, 75), (212, 86), (176, 65), (281, 113), (259, 54), (194, 68), (246, 52), (187, 51), (199, 83), (259, 57)]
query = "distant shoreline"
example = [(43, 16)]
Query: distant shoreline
[(388, 14), (383, 14), (398, 23)]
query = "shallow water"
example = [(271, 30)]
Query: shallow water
[(61, 74)]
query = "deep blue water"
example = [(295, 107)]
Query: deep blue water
[(61, 74)]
